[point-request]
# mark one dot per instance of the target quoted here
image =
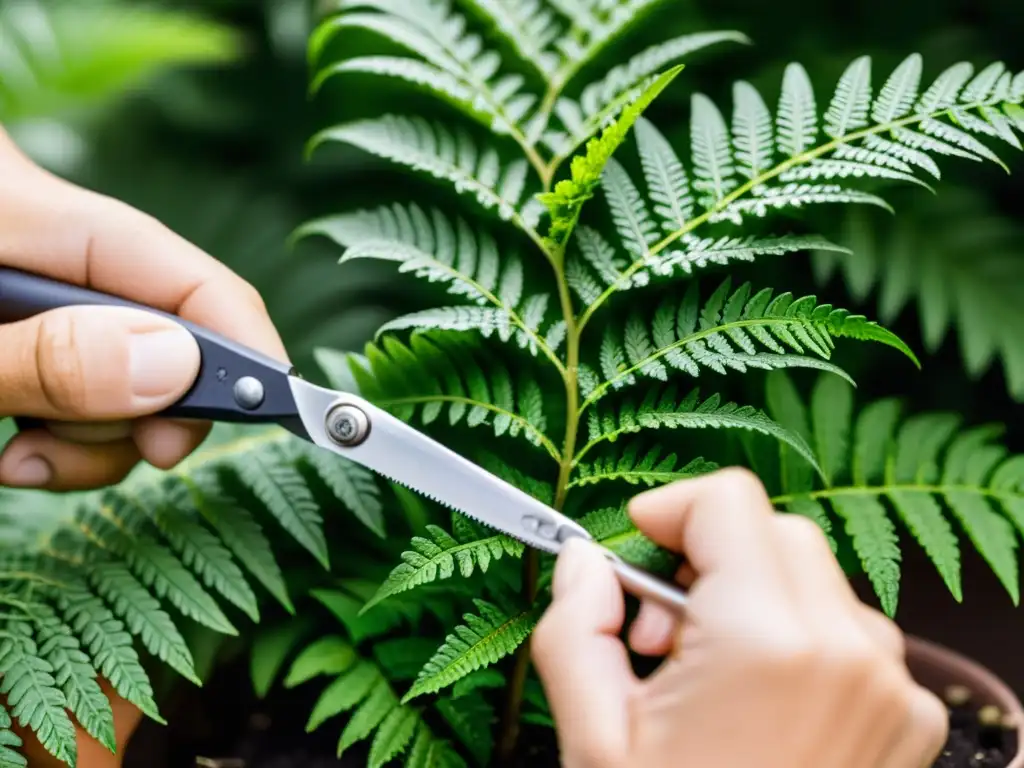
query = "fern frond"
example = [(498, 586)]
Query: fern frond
[(438, 557), (566, 200), (728, 331), (637, 466), (529, 26), (451, 156), (102, 577), (471, 719), (768, 165), (199, 549), (664, 409), (623, 78), (360, 687), (612, 528), (108, 644), (925, 470), (958, 280), (434, 374), (470, 264), (74, 673), (456, 63), (143, 616), (10, 742), (270, 472), (33, 695), (484, 639)]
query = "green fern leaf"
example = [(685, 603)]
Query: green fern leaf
[(280, 487), (665, 409), (438, 557), (566, 201), (957, 280), (161, 571), (484, 639), (434, 249), (613, 528), (459, 66), (35, 701), (394, 736), (428, 752), (200, 550), (881, 139), (374, 709), (622, 79), (355, 485), (143, 616), (350, 688), (10, 743), (326, 656), (240, 533), (74, 673), (434, 374), (529, 26), (109, 646), (874, 539), (448, 156), (726, 331), (639, 467), (472, 719), (930, 471), (403, 657)]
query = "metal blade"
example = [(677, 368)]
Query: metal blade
[(356, 429)]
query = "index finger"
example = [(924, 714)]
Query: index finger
[(53, 228), (719, 522)]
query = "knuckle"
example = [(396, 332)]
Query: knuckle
[(803, 531), (61, 369), (740, 481), (252, 295)]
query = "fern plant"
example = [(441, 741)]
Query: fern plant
[(574, 198), (591, 282)]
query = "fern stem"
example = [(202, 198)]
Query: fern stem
[(740, 191), (508, 738)]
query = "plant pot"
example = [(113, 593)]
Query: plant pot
[(937, 668)]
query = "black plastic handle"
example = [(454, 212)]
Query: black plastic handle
[(235, 383)]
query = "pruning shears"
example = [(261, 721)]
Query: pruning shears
[(240, 385)]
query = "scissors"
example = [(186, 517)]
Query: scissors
[(240, 385)]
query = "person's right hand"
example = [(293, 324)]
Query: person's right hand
[(776, 663)]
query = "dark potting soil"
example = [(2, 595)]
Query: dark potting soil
[(978, 736), (223, 725)]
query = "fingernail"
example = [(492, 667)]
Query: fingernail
[(571, 568), (31, 472), (163, 365)]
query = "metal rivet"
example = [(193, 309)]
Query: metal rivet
[(249, 393), (531, 524), (347, 425)]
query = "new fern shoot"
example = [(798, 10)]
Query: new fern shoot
[(592, 327)]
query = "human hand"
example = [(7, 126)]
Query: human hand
[(96, 374), (776, 663)]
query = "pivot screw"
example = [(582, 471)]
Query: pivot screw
[(249, 393), (347, 425)]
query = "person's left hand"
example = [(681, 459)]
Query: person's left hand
[(96, 374)]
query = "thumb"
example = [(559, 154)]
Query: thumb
[(94, 364), (582, 663)]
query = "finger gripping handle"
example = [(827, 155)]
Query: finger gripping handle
[(235, 383)]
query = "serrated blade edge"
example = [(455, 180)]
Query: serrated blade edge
[(401, 453)]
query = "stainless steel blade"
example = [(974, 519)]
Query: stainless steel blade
[(397, 451)]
